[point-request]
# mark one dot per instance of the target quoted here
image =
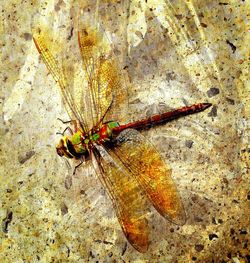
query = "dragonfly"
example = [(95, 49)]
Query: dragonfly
[(127, 164)]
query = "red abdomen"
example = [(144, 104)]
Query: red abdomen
[(163, 118)]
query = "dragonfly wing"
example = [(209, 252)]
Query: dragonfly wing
[(60, 76), (127, 197), (90, 79), (106, 83), (145, 163)]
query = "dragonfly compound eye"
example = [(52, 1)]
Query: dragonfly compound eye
[(62, 149)]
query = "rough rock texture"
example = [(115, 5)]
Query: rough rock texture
[(174, 53)]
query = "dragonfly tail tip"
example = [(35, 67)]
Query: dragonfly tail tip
[(206, 105)]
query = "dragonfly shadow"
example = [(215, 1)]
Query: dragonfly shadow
[(200, 210)]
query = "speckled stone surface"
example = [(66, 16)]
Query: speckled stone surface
[(174, 53)]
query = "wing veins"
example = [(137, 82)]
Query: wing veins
[(58, 76), (152, 185), (130, 212)]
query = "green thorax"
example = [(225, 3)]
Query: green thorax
[(80, 144)]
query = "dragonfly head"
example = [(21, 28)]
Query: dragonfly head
[(72, 147)]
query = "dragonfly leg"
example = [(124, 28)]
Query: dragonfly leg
[(64, 122), (77, 166), (67, 128), (73, 122)]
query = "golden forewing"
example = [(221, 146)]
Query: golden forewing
[(90, 79), (147, 166), (106, 82), (127, 197), (59, 76)]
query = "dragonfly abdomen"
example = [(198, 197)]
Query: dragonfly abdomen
[(162, 118)]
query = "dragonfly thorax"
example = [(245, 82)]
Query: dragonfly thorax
[(80, 144)]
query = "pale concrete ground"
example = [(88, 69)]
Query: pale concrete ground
[(175, 54)]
